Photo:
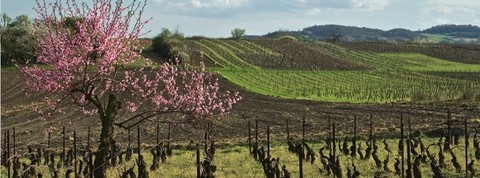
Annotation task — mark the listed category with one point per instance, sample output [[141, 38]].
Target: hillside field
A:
[[287, 68], [285, 80]]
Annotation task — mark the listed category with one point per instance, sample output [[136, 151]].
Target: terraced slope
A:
[[410, 61], [327, 72], [301, 56], [224, 55], [459, 53]]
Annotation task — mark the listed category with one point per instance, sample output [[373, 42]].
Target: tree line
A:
[[18, 43]]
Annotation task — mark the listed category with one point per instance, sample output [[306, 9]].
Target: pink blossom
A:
[[83, 65]]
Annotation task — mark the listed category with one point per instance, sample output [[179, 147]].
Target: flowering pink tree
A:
[[83, 49]]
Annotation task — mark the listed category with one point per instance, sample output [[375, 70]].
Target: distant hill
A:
[[460, 31], [349, 33], [462, 34]]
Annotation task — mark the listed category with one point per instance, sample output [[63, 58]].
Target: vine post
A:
[[8, 154], [256, 131], [401, 144], [198, 160], [75, 152], [249, 139], [300, 160], [158, 130], [268, 142], [465, 122], [63, 145], [14, 142], [288, 131]]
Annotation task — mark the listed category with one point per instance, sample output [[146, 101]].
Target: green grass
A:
[[139, 63]]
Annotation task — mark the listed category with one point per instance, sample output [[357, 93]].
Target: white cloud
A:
[[301, 1], [448, 7], [197, 3], [203, 3], [476, 21], [440, 21], [313, 11], [440, 12], [454, 2], [369, 4], [217, 17], [447, 10], [229, 3]]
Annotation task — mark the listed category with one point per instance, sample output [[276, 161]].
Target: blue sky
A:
[[216, 18]]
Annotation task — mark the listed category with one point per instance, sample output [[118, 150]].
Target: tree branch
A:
[[91, 99], [147, 115]]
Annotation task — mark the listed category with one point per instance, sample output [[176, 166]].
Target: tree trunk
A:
[[103, 148], [107, 117]]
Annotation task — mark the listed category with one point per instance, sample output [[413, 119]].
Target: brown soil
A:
[[231, 128]]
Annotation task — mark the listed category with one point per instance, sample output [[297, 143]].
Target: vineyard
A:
[[352, 149], [271, 133], [83, 95], [287, 68], [458, 53]]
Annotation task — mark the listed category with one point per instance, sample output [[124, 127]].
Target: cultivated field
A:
[[287, 68], [284, 79]]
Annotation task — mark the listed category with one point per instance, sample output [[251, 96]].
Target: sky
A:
[[216, 18]]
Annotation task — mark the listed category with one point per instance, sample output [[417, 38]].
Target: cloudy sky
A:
[[216, 18]]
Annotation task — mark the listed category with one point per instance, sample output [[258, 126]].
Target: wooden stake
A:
[[256, 131], [303, 130], [168, 137], [249, 139], [88, 138], [75, 153], [268, 142], [139, 149], [334, 144], [205, 139], [8, 154], [210, 130], [371, 131], [466, 145], [354, 151], [449, 128], [4, 144], [129, 140], [49, 138], [158, 129], [288, 131], [198, 160], [14, 143], [300, 161], [409, 163], [4, 140], [63, 145], [330, 132], [138, 142], [90, 163], [401, 140]]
